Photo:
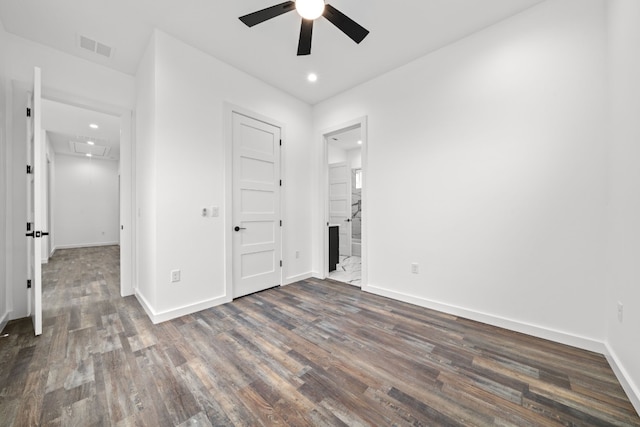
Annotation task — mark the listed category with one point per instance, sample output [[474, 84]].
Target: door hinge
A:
[[280, 183], [28, 283], [280, 223], [28, 112], [280, 143], [28, 169], [28, 226], [280, 263]]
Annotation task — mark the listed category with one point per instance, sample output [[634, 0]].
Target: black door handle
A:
[[348, 219], [32, 234], [45, 233], [239, 228]]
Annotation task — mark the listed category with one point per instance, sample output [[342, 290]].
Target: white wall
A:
[[623, 281], [145, 167], [182, 101], [354, 157], [487, 166], [48, 242], [335, 154], [4, 165], [86, 202], [63, 75]]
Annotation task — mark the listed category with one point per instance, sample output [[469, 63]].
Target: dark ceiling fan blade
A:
[[351, 28], [304, 44], [265, 14]]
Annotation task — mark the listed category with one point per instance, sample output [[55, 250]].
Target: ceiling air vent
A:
[[82, 148], [95, 46]]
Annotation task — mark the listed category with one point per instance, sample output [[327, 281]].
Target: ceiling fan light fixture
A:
[[310, 9]]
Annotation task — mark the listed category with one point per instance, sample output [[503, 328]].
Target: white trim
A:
[[85, 245], [163, 316], [297, 278], [502, 322], [4, 320], [630, 387]]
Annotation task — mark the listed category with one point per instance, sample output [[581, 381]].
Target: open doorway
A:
[[344, 203], [88, 188]]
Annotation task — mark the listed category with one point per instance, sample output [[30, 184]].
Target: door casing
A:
[[127, 176], [324, 194]]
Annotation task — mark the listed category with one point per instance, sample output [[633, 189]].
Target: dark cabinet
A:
[[334, 245]]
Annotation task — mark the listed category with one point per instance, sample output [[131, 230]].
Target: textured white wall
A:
[[188, 139], [145, 173], [5, 304], [86, 202], [624, 201], [487, 166]]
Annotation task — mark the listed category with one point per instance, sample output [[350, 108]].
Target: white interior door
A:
[[340, 204], [35, 223], [256, 206]]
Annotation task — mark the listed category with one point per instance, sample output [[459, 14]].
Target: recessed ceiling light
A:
[[91, 143], [93, 126], [359, 142], [312, 77], [89, 155]]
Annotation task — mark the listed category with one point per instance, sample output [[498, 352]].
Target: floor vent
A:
[[95, 46]]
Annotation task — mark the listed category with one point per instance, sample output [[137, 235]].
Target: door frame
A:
[[324, 192], [126, 171], [229, 109]]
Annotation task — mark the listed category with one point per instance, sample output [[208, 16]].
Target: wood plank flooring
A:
[[313, 353]]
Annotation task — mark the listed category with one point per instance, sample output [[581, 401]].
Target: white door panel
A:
[[256, 205], [35, 219]]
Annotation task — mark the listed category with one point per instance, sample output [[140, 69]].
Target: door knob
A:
[[348, 219], [236, 228]]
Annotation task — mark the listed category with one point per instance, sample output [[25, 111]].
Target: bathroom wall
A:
[[356, 207], [354, 158]]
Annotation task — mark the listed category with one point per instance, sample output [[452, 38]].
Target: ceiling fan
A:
[[309, 10]]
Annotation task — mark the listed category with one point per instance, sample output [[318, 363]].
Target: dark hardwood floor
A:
[[312, 353]]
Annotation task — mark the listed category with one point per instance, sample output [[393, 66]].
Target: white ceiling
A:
[[346, 140], [400, 32], [67, 124]]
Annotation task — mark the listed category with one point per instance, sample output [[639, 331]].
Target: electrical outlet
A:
[[620, 311], [414, 268], [175, 276]]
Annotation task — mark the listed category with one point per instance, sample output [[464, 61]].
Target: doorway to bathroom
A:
[[344, 204]]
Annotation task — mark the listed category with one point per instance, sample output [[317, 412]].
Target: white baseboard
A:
[[299, 277], [163, 316], [4, 320], [513, 325], [632, 389], [317, 275], [85, 245]]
